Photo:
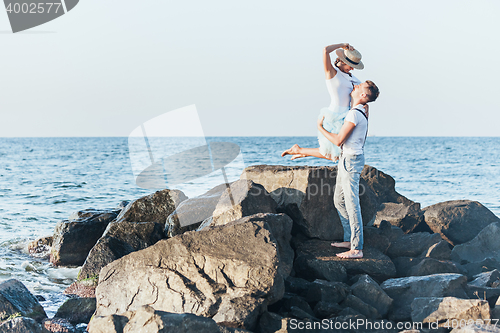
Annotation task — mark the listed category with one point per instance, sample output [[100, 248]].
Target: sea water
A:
[[44, 180]]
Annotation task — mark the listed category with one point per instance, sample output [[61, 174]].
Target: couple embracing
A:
[[342, 130]]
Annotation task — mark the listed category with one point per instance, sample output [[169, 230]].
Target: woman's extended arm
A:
[[337, 139], [327, 62]]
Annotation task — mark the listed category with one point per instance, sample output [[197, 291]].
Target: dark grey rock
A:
[[311, 267], [357, 304], [270, 322], [291, 300], [439, 251], [412, 245], [376, 238], [401, 215], [458, 221], [327, 291], [120, 239], [298, 313], [484, 245], [191, 212], [372, 294], [297, 285], [16, 300], [430, 266], [373, 263], [486, 265], [77, 310], [306, 195], [74, 238], [155, 207], [324, 309], [243, 198], [487, 279], [404, 290], [405, 264]]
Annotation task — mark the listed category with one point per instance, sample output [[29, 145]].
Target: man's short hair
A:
[[373, 91]]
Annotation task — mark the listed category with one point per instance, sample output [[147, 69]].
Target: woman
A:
[[339, 83]]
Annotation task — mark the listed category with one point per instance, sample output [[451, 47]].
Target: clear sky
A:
[[251, 67]]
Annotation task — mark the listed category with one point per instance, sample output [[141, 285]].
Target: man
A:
[[351, 138]]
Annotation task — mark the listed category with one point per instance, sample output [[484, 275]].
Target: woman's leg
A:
[[298, 152]]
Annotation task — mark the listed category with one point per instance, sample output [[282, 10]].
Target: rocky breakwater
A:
[[256, 257]]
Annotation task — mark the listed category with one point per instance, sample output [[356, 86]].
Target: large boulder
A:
[[458, 221], [16, 300], [306, 195], [281, 228], [191, 212], [319, 257], [147, 319], [195, 272], [446, 310], [155, 207], [242, 198], [484, 245], [404, 290], [401, 215], [73, 238], [120, 239], [429, 266], [412, 245]]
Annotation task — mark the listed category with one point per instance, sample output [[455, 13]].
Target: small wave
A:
[[55, 202], [69, 186]]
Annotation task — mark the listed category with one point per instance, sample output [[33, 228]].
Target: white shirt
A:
[[355, 142], [340, 87]]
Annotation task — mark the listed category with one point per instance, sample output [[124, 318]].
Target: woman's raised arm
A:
[[327, 62]]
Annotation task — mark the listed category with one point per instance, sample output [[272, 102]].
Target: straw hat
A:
[[351, 58]]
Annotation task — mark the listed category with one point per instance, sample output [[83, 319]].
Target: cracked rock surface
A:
[[194, 272]]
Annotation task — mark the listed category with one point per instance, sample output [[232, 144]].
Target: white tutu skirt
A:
[[332, 123]]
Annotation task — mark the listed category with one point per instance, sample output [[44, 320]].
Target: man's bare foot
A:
[[346, 245], [335, 158], [352, 254], [295, 150], [294, 157]]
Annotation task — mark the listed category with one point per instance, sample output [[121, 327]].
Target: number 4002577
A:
[[33, 8]]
